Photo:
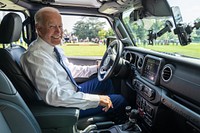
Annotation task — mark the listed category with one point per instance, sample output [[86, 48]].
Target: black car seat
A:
[[15, 116], [10, 31], [51, 119]]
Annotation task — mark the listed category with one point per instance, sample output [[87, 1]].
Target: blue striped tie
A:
[[60, 60]]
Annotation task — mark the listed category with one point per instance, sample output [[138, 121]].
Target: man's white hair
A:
[[39, 16]]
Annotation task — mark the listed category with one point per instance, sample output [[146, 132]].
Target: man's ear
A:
[[38, 28]]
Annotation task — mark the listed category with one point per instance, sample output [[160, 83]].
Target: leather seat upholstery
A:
[[10, 31], [15, 116]]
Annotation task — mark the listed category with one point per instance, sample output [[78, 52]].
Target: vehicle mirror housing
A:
[[136, 15]]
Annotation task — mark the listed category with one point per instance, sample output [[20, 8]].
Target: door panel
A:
[[78, 60]]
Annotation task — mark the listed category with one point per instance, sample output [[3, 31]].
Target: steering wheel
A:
[[110, 60]]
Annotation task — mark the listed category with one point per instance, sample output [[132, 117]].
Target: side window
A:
[[2, 14], [85, 36]]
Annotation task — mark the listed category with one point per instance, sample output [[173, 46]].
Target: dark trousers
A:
[[104, 88]]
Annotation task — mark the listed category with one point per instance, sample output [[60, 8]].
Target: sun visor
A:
[[81, 3], [151, 7], [118, 6], [157, 7]]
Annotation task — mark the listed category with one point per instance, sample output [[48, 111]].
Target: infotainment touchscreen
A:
[[151, 68]]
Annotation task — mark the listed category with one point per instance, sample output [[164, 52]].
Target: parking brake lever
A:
[[97, 126]]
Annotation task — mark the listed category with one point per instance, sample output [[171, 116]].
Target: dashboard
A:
[[165, 82]]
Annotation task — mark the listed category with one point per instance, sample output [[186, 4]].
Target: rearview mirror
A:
[[136, 15]]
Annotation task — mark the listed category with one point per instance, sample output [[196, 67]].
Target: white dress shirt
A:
[[54, 86]]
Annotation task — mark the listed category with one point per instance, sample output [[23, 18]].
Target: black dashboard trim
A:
[[180, 59], [187, 113]]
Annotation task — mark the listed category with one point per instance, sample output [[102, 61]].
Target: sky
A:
[[69, 21]]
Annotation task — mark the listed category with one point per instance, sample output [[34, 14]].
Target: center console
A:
[[148, 94], [130, 126], [53, 119]]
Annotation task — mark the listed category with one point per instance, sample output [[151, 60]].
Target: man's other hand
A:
[[105, 102]]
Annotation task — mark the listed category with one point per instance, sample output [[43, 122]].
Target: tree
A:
[[88, 28], [102, 34], [139, 31], [110, 32], [198, 30]]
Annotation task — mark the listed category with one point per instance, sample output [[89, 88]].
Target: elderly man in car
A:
[[52, 74]]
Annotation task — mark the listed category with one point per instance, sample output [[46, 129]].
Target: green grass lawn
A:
[[192, 50], [189, 50], [84, 50]]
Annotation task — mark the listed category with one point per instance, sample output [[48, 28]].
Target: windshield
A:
[[148, 32]]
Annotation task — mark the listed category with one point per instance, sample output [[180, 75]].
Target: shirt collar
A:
[[45, 46]]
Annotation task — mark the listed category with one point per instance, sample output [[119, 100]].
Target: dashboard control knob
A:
[[134, 82], [150, 93], [141, 87]]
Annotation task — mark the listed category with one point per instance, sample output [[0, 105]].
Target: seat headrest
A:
[[10, 28], [6, 86]]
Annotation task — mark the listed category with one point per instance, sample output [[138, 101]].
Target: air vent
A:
[[167, 72], [140, 63]]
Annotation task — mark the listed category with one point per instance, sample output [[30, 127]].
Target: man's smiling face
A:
[[51, 29]]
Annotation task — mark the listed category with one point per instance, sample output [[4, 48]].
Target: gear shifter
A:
[[133, 116], [132, 124]]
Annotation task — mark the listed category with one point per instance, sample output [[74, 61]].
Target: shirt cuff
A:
[[93, 69], [94, 100]]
